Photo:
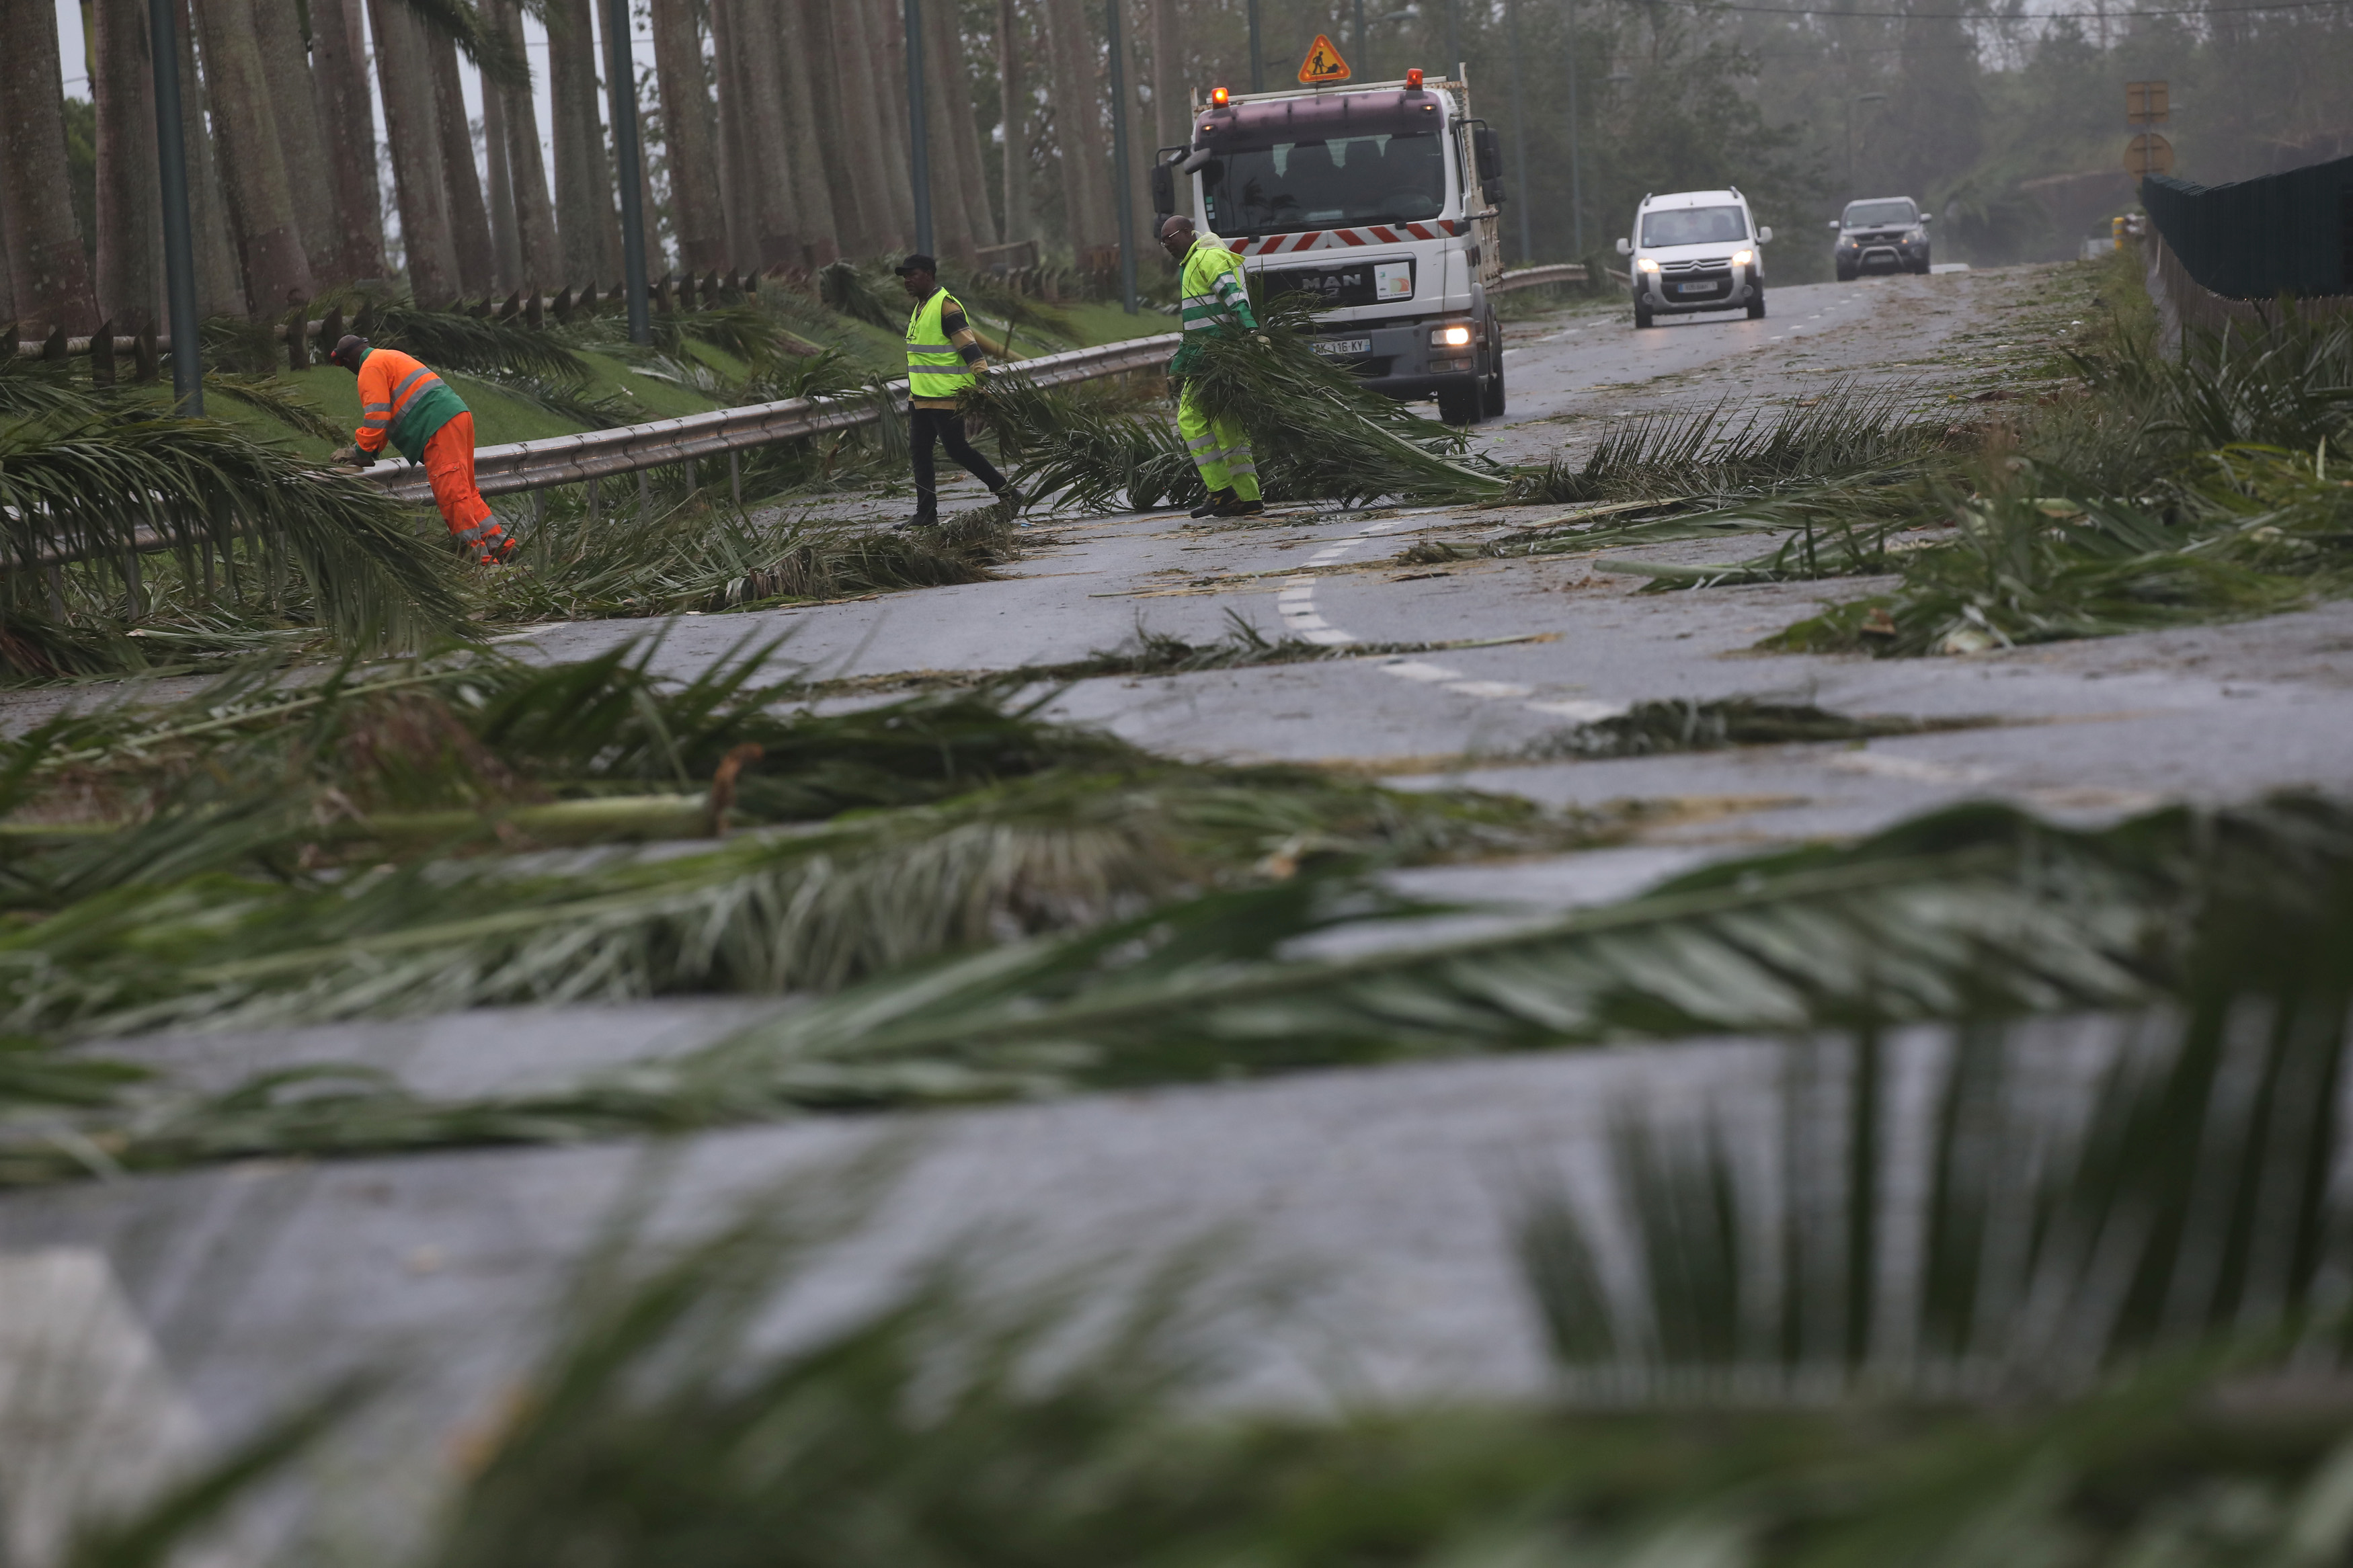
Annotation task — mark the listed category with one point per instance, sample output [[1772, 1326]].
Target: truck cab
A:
[[1380, 201]]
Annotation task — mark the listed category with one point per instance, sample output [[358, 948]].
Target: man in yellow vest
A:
[[1216, 300], [944, 359]]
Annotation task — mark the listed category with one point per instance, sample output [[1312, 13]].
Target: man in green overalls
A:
[[944, 359], [1217, 300]]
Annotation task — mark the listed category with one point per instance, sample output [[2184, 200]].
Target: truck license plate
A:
[[1344, 345]]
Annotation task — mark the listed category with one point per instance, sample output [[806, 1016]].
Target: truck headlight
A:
[[1742, 258], [1448, 337], [1647, 265]]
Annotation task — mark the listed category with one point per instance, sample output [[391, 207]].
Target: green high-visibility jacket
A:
[[935, 367], [1214, 295]]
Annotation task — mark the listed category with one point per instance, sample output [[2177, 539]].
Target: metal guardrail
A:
[[1538, 277], [631, 448]]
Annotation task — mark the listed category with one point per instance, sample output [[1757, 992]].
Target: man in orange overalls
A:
[[405, 403]]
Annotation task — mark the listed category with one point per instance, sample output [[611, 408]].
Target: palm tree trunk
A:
[[220, 283], [347, 124], [959, 197], [542, 256], [812, 199], [253, 163], [1079, 135], [870, 158], [1172, 90], [851, 161], [405, 74], [689, 135], [506, 240], [461, 182], [585, 214], [50, 271], [1013, 102], [769, 223], [885, 29], [130, 201], [738, 200], [293, 110]]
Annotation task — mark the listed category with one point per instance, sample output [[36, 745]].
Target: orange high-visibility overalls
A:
[[403, 403]]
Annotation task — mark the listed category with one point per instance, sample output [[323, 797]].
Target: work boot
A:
[[1234, 506], [1012, 500], [920, 520], [1210, 508]]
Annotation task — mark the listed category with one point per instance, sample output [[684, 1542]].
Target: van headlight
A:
[[1742, 258], [1452, 337], [1647, 265]]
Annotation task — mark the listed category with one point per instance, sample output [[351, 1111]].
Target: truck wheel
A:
[[1642, 314], [1491, 398], [1458, 405], [1757, 306]]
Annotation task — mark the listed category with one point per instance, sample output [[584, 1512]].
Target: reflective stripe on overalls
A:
[[935, 368]]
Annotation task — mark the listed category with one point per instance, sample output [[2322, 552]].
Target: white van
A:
[[1696, 250]]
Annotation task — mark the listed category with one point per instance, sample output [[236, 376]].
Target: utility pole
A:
[[1453, 42], [1519, 133], [621, 84], [179, 236], [1575, 163], [1122, 186], [918, 152], [1860, 98], [1257, 52], [1364, 61]]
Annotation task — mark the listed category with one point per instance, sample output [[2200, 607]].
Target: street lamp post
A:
[[1519, 133], [1258, 51], [919, 151], [1120, 179], [179, 239], [1575, 163], [621, 86], [1860, 98], [1454, 41]]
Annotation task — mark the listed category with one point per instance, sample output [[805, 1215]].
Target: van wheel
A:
[[1641, 315], [1491, 397], [1458, 405], [1757, 306]]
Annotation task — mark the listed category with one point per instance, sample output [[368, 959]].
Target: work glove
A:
[[1264, 341], [352, 458]]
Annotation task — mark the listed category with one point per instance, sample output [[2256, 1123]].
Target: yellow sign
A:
[[2148, 154], [1322, 64], [2148, 102]]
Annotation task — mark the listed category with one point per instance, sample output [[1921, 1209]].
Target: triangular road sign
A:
[[1322, 64]]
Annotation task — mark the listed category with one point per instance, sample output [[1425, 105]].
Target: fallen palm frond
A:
[[454, 340], [278, 398], [1968, 913], [863, 293], [1316, 432], [1686, 724], [85, 472]]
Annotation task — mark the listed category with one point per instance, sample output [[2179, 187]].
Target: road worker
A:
[[944, 361], [405, 403], [1216, 300]]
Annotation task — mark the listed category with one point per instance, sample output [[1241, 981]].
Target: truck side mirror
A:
[[1764, 235], [1164, 190], [1487, 148], [1625, 247], [1493, 191]]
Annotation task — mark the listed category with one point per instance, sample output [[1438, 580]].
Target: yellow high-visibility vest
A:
[[935, 368]]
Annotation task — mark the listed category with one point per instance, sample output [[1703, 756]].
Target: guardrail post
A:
[[592, 501], [735, 476], [645, 491]]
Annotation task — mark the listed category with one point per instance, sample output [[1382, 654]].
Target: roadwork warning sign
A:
[[1322, 64]]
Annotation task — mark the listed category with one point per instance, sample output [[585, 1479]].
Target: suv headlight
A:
[[1451, 337], [1647, 265]]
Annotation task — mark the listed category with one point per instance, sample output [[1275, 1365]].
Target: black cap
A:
[[917, 263], [348, 351]]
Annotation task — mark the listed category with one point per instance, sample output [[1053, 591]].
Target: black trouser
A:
[[945, 426]]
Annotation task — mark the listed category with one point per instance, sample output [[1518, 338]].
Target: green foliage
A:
[[1686, 724], [85, 471]]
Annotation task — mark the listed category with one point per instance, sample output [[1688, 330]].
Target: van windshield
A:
[[1879, 215], [1694, 226], [1336, 183]]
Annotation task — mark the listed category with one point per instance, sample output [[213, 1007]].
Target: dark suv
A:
[[1886, 233]]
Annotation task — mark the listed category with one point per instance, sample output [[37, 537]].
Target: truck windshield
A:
[[1336, 183], [1879, 215], [1694, 226]]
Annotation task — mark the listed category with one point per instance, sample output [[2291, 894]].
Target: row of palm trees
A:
[[787, 143]]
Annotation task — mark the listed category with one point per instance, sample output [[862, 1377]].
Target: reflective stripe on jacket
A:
[[935, 366], [402, 402], [1214, 295]]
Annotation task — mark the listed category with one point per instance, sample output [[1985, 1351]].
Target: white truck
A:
[[1381, 200]]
